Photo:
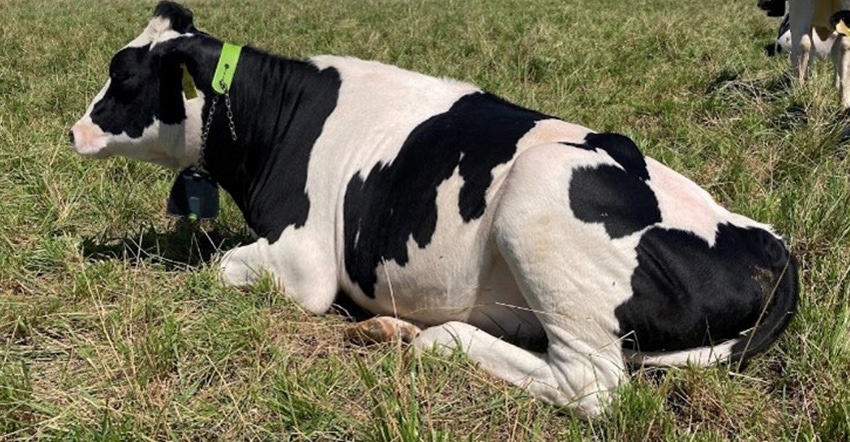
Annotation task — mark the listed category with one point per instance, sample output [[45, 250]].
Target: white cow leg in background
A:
[[801, 14], [841, 60]]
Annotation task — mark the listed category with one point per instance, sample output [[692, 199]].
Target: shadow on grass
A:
[[728, 81], [186, 245]]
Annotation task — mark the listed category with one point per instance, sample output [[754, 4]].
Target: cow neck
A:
[[220, 84], [279, 107]]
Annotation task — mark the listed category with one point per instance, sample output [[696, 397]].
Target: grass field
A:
[[113, 325]]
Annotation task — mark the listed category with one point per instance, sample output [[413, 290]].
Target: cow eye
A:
[[119, 76]]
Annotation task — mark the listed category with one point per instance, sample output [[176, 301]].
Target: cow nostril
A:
[[71, 136]]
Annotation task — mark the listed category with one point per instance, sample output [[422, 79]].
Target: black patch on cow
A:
[[622, 149], [621, 201], [687, 294], [617, 197], [840, 16], [129, 104], [397, 201], [619, 147], [279, 107]]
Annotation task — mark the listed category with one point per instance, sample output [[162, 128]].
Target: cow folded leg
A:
[[305, 279], [563, 376], [243, 265]]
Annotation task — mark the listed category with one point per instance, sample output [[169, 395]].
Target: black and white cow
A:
[[821, 48], [823, 20], [444, 206]]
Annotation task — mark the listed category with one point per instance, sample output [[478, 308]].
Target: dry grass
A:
[[113, 325]]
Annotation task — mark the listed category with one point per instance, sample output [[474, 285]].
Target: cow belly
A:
[[458, 276], [485, 296]]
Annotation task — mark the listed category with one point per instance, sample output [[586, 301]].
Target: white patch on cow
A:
[[387, 100], [190, 153], [683, 204], [157, 31], [686, 206], [553, 131]]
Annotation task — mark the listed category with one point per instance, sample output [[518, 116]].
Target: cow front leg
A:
[[581, 379], [298, 265], [841, 61], [800, 24], [243, 265]]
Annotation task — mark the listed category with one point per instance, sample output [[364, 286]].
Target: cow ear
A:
[[179, 15], [840, 22], [172, 72]]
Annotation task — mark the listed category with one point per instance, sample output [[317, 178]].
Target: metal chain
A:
[[229, 114], [205, 133]]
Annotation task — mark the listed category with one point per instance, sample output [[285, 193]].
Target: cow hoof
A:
[[381, 329]]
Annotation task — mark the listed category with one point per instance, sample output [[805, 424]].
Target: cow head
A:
[[143, 112]]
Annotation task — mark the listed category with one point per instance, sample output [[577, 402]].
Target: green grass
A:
[[113, 325]]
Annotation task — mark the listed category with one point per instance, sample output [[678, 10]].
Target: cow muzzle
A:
[[87, 138]]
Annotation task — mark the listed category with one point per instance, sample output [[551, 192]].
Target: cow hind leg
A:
[[572, 296], [560, 376]]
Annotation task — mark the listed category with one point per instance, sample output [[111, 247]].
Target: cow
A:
[[782, 44], [463, 221], [824, 19]]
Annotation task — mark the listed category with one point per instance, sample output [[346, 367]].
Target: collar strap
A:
[[226, 67]]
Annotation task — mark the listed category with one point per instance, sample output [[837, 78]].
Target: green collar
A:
[[223, 77]]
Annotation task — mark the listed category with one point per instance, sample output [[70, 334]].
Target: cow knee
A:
[[242, 266], [592, 377]]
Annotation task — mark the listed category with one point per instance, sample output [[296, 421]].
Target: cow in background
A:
[[810, 19]]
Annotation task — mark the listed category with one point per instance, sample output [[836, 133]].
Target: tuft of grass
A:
[[115, 326]]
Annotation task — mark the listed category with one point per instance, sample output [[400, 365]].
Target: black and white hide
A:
[[782, 45], [446, 207]]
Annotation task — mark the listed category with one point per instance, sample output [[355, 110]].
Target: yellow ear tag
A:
[[841, 28], [188, 84]]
